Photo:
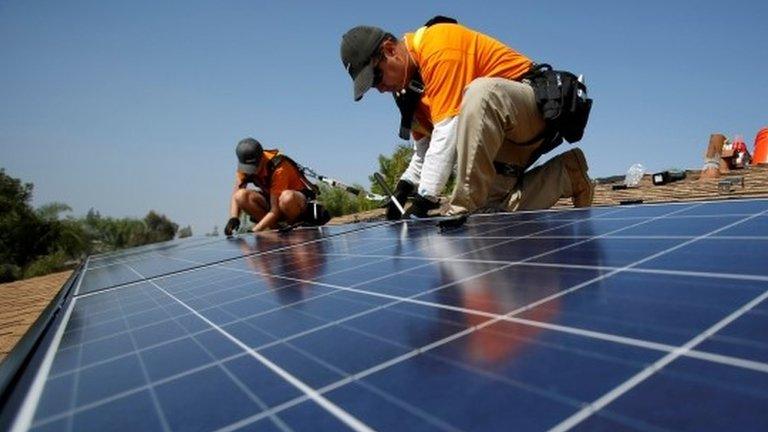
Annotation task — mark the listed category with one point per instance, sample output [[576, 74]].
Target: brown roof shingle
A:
[[689, 189], [21, 302]]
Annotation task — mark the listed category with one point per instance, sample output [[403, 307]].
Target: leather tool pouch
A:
[[562, 99]]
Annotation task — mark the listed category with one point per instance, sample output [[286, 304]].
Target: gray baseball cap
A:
[[358, 45], [249, 153]]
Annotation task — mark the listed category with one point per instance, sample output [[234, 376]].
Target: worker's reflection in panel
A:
[[497, 292], [287, 272]]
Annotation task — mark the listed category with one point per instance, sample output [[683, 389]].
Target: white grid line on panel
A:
[[598, 404], [326, 404], [635, 380]]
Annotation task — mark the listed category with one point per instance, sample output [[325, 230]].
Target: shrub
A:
[[340, 202], [46, 264]]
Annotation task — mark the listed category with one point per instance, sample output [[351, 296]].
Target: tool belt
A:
[[562, 100], [508, 170]]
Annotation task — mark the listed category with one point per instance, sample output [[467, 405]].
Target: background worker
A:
[[461, 98], [283, 193]]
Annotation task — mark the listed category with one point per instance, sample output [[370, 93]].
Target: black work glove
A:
[[233, 224], [422, 205], [402, 190]]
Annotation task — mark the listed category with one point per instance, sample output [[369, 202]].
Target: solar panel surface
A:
[[639, 318]]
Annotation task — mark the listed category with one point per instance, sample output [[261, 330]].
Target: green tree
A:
[[185, 232], [158, 228], [23, 235], [36, 242], [52, 211], [116, 233], [71, 236], [120, 233], [392, 167], [46, 264], [339, 202]]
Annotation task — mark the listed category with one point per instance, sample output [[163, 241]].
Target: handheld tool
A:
[[380, 180]]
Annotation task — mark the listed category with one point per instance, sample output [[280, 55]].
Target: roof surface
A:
[[689, 189], [21, 302]]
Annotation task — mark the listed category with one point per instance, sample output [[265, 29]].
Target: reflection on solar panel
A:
[[641, 318]]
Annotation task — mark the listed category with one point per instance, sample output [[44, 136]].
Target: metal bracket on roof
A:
[[729, 184]]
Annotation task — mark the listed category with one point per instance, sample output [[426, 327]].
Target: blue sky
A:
[[132, 106]]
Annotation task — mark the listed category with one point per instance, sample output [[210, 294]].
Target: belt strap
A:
[[508, 170]]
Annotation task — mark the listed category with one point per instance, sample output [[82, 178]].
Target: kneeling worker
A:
[[283, 193], [466, 97]]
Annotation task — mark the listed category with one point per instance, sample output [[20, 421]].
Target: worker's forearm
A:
[[267, 222], [234, 209], [412, 174], [438, 160]]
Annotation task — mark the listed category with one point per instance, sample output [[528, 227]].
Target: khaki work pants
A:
[[497, 113]]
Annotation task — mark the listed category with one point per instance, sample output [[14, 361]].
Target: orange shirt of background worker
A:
[[284, 177]]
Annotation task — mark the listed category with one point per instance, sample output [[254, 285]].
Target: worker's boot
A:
[[581, 185]]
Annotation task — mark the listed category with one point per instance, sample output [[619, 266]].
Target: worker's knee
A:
[[291, 203], [247, 198], [286, 198], [241, 196]]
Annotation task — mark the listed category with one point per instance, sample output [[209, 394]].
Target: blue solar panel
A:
[[641, 318], [133, 265]]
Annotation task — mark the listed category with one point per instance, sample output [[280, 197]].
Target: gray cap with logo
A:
[[358, 46]]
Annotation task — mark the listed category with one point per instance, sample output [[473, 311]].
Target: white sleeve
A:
[[412, 174], [438, 160]]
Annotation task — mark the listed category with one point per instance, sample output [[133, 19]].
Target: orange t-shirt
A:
[[285, 177], [450, 56]]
